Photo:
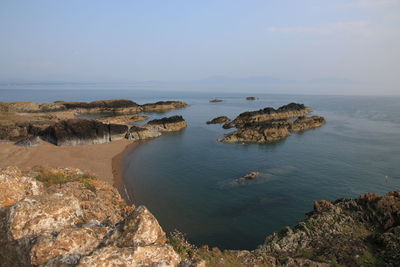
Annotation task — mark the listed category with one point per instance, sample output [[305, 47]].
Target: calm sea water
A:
[[185, 178]]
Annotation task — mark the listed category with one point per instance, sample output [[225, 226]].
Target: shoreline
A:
[[102, 160]]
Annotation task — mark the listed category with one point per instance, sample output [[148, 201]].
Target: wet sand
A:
[[101, 160]]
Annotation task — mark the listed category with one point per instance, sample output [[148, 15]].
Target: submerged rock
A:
[[220, 119], [248, 177], [251, 98], [215, 100], [167, 124]]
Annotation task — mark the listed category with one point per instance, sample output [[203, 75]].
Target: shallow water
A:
[[185, 178]]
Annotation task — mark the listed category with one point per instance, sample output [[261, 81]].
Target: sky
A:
[[308, 46]]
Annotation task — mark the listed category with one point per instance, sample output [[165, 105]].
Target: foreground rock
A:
[[68, 218], [271, 131], [349, 232], [84, 132], [167, 124], [220, 119], [284, 112]]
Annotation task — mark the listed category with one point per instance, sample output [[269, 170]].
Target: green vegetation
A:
[[57, 177]]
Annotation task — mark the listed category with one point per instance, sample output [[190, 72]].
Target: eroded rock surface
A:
[[271, 131], [84, 132], [70, 219], [141, 133], [167, 124], [284, 112], [163, 106], [220, 119]]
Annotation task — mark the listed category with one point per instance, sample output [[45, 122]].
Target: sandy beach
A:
[[101, 160]]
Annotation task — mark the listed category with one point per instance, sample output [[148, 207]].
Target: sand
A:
[[101, 160]]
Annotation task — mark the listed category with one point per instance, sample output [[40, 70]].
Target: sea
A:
[[186, 179]]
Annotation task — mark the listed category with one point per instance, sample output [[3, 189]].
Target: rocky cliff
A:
[[63, 217]]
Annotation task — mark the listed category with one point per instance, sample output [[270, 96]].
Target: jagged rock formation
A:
[[220, 119], [284, 112], [349, 232], [216, 100], [271, 131], [167, 124], [75, 220], [251, 98], [163, 106], [141, 133], [84, 132]]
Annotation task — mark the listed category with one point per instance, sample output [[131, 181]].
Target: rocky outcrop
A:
[[74, 219], [216, 100], [305, 123], [163, 106], [217, 120], [113, 106], [265, 132], [271, 131], [84, 132], [251, 98], [141, 133], [167, 124], [348, 232], [284, 112], [122, 119]]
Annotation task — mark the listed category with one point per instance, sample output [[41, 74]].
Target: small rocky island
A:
[[216, 100], [251, 98], [271, 125]]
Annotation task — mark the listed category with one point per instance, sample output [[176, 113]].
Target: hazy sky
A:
[[353, 41]]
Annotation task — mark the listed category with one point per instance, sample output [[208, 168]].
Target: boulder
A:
[[140, 133]]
